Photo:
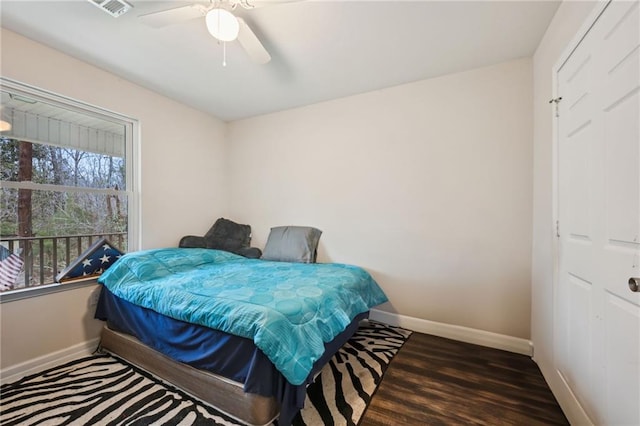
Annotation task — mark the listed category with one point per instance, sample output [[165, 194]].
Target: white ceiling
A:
[[320, 50]]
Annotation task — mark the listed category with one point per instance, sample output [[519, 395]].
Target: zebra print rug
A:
[[105, 390]]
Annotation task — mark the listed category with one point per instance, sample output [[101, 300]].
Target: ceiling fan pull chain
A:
[[224, 53]]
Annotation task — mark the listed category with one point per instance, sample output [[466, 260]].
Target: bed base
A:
[[223, 394]]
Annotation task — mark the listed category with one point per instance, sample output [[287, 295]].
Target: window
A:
[[67, 178]]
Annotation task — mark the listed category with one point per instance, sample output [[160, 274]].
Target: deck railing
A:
[[44, 257]]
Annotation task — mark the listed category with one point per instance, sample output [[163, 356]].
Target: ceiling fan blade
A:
[[251, 44], [173, 16]]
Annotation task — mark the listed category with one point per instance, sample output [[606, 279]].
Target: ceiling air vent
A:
[[114, 8]]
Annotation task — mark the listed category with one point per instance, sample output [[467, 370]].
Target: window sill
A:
[[42, 290]]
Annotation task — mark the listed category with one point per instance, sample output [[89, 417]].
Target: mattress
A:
[[289, 310]]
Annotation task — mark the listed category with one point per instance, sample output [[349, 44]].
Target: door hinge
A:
[[556, 101], [557, 228]]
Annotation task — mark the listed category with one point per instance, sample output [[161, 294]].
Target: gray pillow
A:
[[292, 244]]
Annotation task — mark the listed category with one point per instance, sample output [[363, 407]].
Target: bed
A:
[[244, 335]]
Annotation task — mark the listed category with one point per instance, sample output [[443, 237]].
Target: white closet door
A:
[[597, 315]]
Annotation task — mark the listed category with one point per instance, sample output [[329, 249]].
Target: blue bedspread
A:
[[289, 310]]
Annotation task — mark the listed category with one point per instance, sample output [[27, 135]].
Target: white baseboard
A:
[[32, 366], [456, 332], [568, 401]]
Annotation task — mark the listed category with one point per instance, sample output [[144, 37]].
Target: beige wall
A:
[[561, 31], [427, 185], [179, 145], [35, 327]]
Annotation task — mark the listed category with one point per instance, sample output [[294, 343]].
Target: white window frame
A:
[[132, 166]]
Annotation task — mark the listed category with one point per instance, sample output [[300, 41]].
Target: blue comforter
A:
[[289, 310]]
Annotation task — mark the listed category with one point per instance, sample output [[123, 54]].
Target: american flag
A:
[[93, 262], [10, 267]]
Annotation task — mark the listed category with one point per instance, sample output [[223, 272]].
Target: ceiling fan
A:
[[221, 24]]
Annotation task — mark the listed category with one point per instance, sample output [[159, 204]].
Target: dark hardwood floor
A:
[[437, 381]]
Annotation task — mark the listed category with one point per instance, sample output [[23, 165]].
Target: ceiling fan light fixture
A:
[[222, 24]]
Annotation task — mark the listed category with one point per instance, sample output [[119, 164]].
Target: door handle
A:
[[634, 284]]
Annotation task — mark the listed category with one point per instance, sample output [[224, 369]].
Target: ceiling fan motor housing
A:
[[222, 24]]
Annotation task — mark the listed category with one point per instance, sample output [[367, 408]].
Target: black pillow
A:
[[228, 235]]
